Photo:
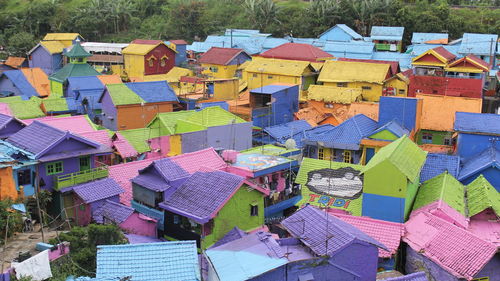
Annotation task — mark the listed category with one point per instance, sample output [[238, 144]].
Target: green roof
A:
[[481, 195], [269, 149], [310, 164], [445, 188], [214, 116], [138, 138], [55, 105], [404, 154], [122, 95], [77, 51], [73, 70], [11, 99], [167, 122], [26, 109]]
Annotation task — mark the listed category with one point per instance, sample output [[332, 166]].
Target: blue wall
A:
[[383, 207], [403, 110], [181, 55], [285, 102], [470, 144]]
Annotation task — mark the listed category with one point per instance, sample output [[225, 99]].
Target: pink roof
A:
[[220, 56], [125, 149], [296, 51], [5, 109], [101, 137], [75, 124], [444, 211], [178, 42], [488, 230], [388, 233], [456, 250], [193, 161], [123, 173]]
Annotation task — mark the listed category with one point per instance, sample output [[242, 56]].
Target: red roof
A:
[[178, 42], [394, 64], [220, 56], [146, 42], [444, 53], [296, 51], [481, 63], [190, 79]]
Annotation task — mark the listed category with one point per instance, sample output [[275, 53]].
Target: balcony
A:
[[71, 179]]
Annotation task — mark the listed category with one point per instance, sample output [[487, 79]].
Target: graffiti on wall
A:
[[343, 182]]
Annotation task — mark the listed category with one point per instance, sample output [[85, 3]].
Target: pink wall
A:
[[82, 210], [140, 225], [62, 249]]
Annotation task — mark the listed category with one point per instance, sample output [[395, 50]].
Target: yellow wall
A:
[[175, 145], [398, 85], [134, 65], [372, 94], [7, 184], [223, 71], [117, 69], [226, 90], [257, 80]]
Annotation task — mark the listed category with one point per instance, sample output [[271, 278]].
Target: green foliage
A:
[[15, 221], [83, 245], [20, 43]]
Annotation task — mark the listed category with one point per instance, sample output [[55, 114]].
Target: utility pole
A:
[[37, 188], [231, 32]]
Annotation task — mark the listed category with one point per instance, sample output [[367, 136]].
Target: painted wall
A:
[[44, 60], [416, 262], [371, 92], [226, 89], [28, 189], [400, 87], [234, 136], [383, 207], [448, 86], [134, 116], [491, 270], [219, 71], [11, 128], [7, 184], [192, 141], [405, 111], [158, 52], [358, 257], [236, 212], [471, 144], [257, 80], [181, 55], [140, 225], [70, 165], [7, 86], [56, 89], [83, 211], [438, 137], [134, 65], [109, 112]]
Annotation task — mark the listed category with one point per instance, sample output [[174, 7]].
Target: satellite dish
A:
[[290, 144]]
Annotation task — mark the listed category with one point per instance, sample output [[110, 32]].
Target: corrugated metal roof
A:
[[123, 95], [72, 70], [422, 38], [416, 50], [38, 79], [478, 44], [346, 29], [346, 71], [391, 33], [477, 123], [94, 47], [220, 56], [348, 49], [53, 47], [334, 94], [279, 67], [403, 59], [393, 127], [138, 49], [283, 132]]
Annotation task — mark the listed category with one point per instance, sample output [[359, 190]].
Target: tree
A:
[[15, 222], [261, 13], [20, 43]]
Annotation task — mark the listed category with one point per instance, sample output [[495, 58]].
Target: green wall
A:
[[411, 193], [437, 136], [384, 135], [236, 212], [56, 89], [385, 179]]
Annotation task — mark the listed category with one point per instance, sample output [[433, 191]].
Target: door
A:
[[369, 154], [84, 163]]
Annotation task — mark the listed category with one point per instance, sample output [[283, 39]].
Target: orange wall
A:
[[7, 184], [135, 116]]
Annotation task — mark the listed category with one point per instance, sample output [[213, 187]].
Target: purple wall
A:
[[47, 62], [235, 136], [416, 262], [492, 269], [70, 165], [7, 86], [10, 129], [359, 257], [109, 111], [194, 141]]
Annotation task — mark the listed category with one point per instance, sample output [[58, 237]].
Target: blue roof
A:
[[436, 164], [392, 33], [353, 49], [222, 104], [85, 83], [421, 38], [311, 41], [92, 96], [271, 42], [173, 261], [251, 44], [478, 44], [393, 127], [271, 89], [311, 133], [346, 29], [19, 80], [282, 132], [347, 135], [477, 123], [403, 59], [112, 211], [154, 91], [417, 50], [241, 32], [490, 157]]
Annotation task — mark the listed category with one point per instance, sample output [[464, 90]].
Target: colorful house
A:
[[181, 47], [261, 72], [327, 96], [486, 163], [86, 91], [476, 132], [342, 143], [232, 204], [148, 57], [222, 62], [123, 103], [174, 260], [405, 111], [77, 66], [358, 49], [9, 125], [279, 134], [387, 233], [16, 173], [353, 255], [391, 180], [387, 38], [47, 55], [123, 173], [340, 32], [297, 52], [26, 82], [106, 57], [274, 104], [447, 252], [381, 137], [480, 45], [345, 74], [436, 164], [58, 106]]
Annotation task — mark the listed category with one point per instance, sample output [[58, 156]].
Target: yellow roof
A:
[[280, 67], [38, 79], [317, 65], [333, 94], [54, 47], [138, 49], [349, 71], [439, 111], [60, 36], [399, 76], [176, 73]]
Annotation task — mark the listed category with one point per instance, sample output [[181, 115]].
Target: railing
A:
[[382, 47], [150, 212], [71, 179]]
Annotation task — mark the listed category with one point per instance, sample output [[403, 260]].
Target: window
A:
[[254, 75], [24, 177], [447, 141], [214, 69], [177, 219], [366, 88], [426, 138], [321, 153], [254, 210], [328, 105], [347, 156], [402, 92], [54, 168], [269, 77], [208, 227], [342, 84], [163, 62], [80, 59], [151, 63]]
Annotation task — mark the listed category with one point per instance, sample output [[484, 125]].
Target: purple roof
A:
[[202, 195], [169, 170], [151, 180], [231, 235], [417, 276], [160, 174], [112, 211], [98, 190], [309, 225]]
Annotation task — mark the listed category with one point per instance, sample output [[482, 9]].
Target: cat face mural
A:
[[343, 182]]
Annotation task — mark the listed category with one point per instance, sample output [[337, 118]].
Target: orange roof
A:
[[312, 115], [243, 99], [443, 41], [438, 112], [14, 62], [38, 79], [369, 109], [435, 148], [110, 79]]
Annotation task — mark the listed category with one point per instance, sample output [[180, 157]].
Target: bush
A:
[[14, 219]]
